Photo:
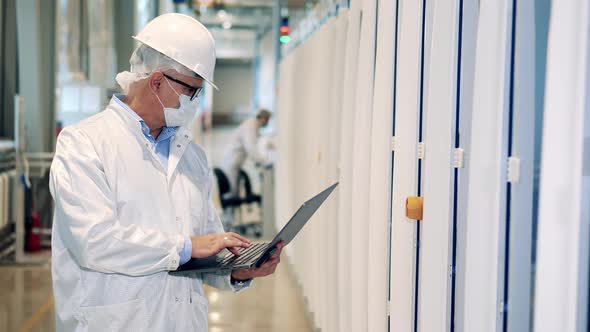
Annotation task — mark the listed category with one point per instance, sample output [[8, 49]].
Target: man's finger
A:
[[277, 253], [233, 242], [234, 251], [239, 237], [275, 259], [270, 262], [279, 248]]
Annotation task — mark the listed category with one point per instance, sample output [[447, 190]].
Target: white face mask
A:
[[184, 114]]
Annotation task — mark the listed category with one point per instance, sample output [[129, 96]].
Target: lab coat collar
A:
[[178, 143], [132, 119]]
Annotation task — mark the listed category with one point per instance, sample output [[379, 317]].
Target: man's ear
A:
[[155, 81]]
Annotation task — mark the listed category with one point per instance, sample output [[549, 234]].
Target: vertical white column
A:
[[405, 165], [468, 46], [487, 179], [561, 286], [519, 286], [436, 227], [284, 166], [306, 165], [381, 169], [331, 221], [361, 166], [335, 146], [345, 187]]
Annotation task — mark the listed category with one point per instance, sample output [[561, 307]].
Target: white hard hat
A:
[[184, 40]]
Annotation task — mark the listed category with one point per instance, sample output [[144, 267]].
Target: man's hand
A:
[[211, 244], [267, 268]]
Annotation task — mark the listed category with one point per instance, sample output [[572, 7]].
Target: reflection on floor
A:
[[26, 300], [272, 304]]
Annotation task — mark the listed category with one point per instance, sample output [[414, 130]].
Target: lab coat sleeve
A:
[[250, 139], [220, 280], [86, 217]]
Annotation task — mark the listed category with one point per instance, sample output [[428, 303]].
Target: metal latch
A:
[[513, 170], [421, 150], [458, 158]]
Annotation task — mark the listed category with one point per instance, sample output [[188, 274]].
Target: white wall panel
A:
[[331, 220], [305, 141], [381, 169], [405, 164], [320, 50], [284, 167], [561, 287], [519, 288], [310, 99], [487, 183], [346, 139], [468, 46], [335, 117], [436, 228], [361, 167]]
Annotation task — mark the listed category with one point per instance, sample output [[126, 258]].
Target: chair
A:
[[229, 203], [250, 197], [223, 185]]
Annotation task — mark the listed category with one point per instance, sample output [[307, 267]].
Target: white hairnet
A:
[[144, 61]]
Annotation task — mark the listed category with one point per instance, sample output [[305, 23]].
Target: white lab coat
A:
[[120, 221], [242, 144]]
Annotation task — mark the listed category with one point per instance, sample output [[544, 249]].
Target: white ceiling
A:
[[235, 23]]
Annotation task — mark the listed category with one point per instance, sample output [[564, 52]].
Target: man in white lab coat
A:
[[243, 144], [133, 197]]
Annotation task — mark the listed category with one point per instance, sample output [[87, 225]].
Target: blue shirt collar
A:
[[166, 132]]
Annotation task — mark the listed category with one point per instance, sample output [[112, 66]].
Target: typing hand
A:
[[211, 244], [267, 268]]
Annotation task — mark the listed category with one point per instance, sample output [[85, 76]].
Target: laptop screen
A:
[[301, 217]]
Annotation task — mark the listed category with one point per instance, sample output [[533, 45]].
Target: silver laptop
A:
[[258, 253]]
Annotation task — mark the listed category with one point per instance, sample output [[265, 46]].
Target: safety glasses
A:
[[193, 91]]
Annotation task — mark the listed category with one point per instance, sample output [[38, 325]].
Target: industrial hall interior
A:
[[295, 165]]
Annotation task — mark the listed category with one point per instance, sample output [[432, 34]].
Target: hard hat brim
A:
[[170, 56]]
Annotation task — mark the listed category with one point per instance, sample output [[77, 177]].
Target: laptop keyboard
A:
[[246, 254]]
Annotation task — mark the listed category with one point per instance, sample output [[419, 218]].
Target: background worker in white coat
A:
[[243, 144], [133, 197]]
